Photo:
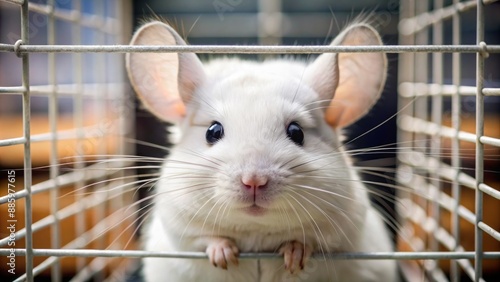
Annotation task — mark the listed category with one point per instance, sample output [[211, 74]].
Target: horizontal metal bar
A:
[[429, 192], [106, 25], [490, 230], [491, 91], [237, 49], [417, 125], [417, 89], [12, 89], [84, 239], [489, 190], [202, 255], [490, 141], [419, 217], [411, 89], [91, 131], [18, 2], [85, 89], [95, 266], [467, 267], [435, 273], [103, 226], [430, 164], [467, 214], [446, 201], [91, 172], [121, 271], [12, 141], [112, 90], [415, 24], [37, 270], [88, 202]]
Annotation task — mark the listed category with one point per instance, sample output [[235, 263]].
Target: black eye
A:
[[295, 133], [214, 133]]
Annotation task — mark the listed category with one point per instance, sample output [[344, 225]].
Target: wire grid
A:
[[412, 127], [423, 169], [95, 185]]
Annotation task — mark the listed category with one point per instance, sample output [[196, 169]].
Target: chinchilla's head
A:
[[259, 140]]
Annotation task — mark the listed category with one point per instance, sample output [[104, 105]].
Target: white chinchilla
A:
[[259, 166]]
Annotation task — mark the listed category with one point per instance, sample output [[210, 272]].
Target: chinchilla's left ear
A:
[[353, 81]]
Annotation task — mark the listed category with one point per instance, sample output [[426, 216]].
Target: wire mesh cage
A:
[[448, 134], [67, 133], [63, 116]]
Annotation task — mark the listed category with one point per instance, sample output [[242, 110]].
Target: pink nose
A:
[[254, 182]]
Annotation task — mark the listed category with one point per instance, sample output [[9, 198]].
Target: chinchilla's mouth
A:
[[255, 210]]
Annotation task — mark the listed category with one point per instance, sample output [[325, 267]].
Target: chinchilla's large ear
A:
[[353, 80], [164, 82]]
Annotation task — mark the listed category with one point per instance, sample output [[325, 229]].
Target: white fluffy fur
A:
[[313, 194]]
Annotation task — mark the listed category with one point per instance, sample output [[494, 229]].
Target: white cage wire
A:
[[432, 153], [75, 114], [97, 37]]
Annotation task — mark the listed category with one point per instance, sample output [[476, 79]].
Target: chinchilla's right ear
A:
[[164, 82]]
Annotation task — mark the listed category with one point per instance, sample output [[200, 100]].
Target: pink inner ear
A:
[[362, 76], [168, 108], [154, 77], [165, 105], [163, 81], [334, 112], [345, 110], [358, 89]]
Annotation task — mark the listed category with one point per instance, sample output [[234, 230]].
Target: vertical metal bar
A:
[[479, 147], [405, 74], [404, 137], [27, 145], [78, 123], [420, 109], [435, 144], [420, 75], [100, 105], [455, 143], [125, 114], [117, 116], [436, 117], [117, 201], [270, 22], [121, 116], [54, 166]]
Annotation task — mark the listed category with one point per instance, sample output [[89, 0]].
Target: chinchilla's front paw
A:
[[221, 251], [296, 255]]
